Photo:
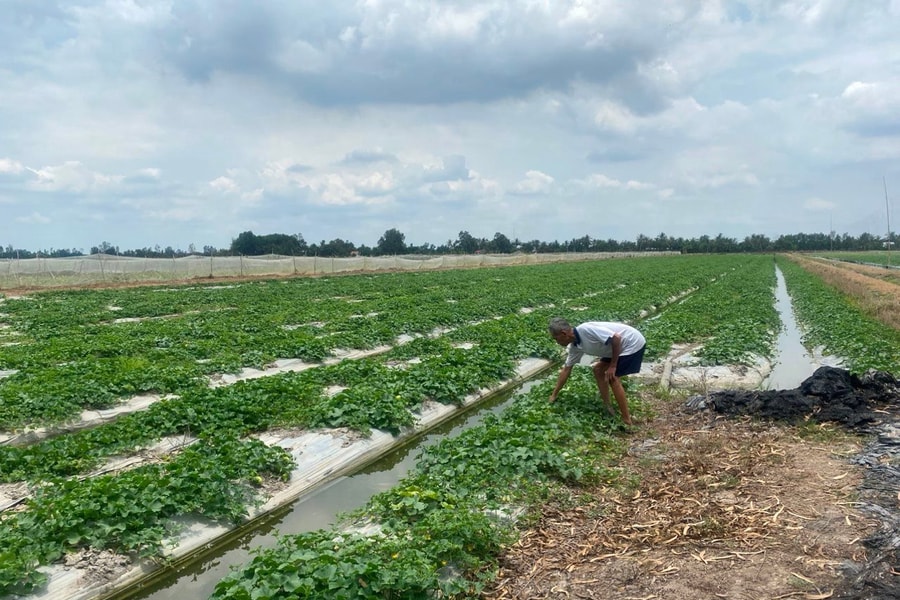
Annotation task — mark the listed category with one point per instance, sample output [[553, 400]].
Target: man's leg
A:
[[619, 392], [599, 369]]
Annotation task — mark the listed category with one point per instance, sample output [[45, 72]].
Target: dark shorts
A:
[[628, 365]]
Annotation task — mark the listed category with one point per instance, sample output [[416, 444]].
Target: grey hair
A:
[[558, 325]]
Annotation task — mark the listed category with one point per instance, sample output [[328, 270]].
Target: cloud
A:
[[225, 185], [534, 183], [153, 122], [423, 51], [600, 181], [873, 108], [450, 168], [365, 157], [376, 184], [144, 177], [72, 176], [8, 166], [33, 218], [819, 205]]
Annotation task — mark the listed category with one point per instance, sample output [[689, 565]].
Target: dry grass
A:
[[875, 291], [722, 509]]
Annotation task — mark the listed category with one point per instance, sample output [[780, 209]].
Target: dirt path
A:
[[706, 507], [875, 290]]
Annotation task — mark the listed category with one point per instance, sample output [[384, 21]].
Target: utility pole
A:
[[887, 211]]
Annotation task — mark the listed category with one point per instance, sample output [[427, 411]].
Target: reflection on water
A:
[[793, 362], [316, 510]]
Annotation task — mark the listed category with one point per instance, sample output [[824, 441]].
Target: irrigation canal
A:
[[793, 362], [317, 510]]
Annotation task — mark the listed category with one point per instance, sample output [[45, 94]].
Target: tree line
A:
[[393, 242]]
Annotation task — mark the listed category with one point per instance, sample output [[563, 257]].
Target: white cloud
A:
[[33, 218], [341, 190], [376, 184], [599, 180], [615, 117], [72, 176], [535, 182], [873, 108], [11, 166], [225, 185], [180, 123], [819, 205]]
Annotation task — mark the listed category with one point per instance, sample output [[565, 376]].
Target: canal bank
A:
[[322, 458]]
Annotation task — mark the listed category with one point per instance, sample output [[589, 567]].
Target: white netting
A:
[[104, 268]]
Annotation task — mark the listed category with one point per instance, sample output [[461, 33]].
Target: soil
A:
[[713, 503], [100, 565]]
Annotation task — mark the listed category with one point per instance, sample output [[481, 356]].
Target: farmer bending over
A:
[[619, 348]]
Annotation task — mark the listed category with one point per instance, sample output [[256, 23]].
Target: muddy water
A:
[[793, 362], [316, 510]]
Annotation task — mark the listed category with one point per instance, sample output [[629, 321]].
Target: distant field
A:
[[877, 257]]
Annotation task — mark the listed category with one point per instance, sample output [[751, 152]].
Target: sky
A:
[[144, 123]]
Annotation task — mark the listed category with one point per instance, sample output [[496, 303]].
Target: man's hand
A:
[[611, 373]]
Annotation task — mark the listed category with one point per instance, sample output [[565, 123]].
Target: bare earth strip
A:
[[717, 508], [875, 290]]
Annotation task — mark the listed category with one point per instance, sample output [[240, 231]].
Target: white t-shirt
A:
[[595, 337]]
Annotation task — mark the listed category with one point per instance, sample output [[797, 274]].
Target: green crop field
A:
[[882, 258], [431, 336]]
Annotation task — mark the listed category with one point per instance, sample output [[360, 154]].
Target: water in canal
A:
[[793, 362]]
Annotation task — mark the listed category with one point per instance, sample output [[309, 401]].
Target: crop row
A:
[[380, 392], [439, 532], [133, 512], [376, 395], [831, 320], [91, 349], [734, 319]]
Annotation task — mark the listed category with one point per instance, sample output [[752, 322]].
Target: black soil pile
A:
[[867, 404], [829, 395]]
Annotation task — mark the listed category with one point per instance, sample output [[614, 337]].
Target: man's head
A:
[[561, 331]]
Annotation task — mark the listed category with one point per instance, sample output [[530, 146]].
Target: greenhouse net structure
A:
[[110, 269]]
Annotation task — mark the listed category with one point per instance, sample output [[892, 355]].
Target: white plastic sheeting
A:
[[321, 456], [105, 268]]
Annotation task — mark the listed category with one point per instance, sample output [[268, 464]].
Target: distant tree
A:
[[104, 248], [423, 249], [62, 253], [530, 246], [500, 244], [249, 244], [302, 246], [703, 244], [756, 243], [245, 243], [724, 244], [392, 242], [867, 241], [465, 243], [643, 243], [662, 242], [612, 245], [337, 248]]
